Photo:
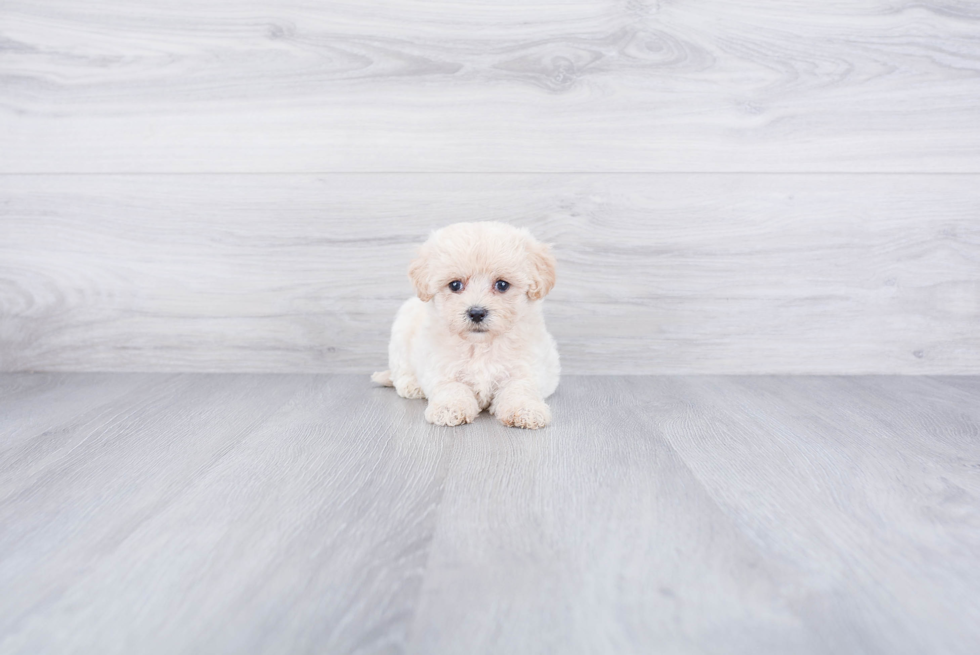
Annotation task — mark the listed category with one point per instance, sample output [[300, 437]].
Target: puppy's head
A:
[[481, 276]]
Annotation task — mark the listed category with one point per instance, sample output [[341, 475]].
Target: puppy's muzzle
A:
[[477, 314]]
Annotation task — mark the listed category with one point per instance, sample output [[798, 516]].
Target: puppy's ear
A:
[[418, 273], [543, 265]]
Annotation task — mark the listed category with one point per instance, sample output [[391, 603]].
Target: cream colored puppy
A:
[[475, 338]]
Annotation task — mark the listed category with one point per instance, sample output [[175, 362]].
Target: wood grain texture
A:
[[178, 495], [657, 273], [595, 85], [595, 539], [291, 513], [895, 460]]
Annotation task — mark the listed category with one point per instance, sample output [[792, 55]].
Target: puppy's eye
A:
[[501, 286], [455, 286]]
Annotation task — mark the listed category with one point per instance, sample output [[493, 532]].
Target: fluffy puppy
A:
[[475, 337]]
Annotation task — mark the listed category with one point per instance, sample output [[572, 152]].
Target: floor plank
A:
[[594, 537], [297, 513], [137, 524], [851, 483], [586, 85], [36, 404]]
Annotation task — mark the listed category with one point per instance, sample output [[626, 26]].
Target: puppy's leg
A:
[[451, 404], [519, 405], [403, 332], [408, 387]]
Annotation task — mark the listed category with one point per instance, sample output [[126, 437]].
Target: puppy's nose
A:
[[477, 314]]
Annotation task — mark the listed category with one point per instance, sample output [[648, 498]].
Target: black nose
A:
[[477, 314]]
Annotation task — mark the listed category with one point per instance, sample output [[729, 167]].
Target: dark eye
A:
[[501, 286], [455, 286]]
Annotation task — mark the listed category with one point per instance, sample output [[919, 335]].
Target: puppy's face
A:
[[481, 276]]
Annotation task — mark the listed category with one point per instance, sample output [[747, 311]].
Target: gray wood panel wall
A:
[[730, 186]]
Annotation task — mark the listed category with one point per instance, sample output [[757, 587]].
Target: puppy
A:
[[475, 337]]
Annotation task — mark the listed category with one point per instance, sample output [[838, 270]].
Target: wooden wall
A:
[[747, 186]]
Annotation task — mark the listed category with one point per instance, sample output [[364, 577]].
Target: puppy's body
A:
[[423, 353], [477, 347]]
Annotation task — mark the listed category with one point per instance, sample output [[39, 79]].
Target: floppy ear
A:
[[542, 270], [418, 273]]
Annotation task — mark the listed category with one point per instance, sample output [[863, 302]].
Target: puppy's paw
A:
[[530, 414], [408, 387], [452, 412]]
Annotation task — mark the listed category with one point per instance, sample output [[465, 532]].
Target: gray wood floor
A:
[[158, 513]]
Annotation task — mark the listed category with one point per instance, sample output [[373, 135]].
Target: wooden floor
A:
[[155, 513]]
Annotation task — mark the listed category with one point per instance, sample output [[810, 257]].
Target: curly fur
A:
[[508, 362]]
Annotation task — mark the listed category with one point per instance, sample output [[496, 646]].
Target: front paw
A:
[[408, 387], [452, 412], [531, 414]]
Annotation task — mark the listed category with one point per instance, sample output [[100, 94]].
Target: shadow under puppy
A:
[[475, 337]]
